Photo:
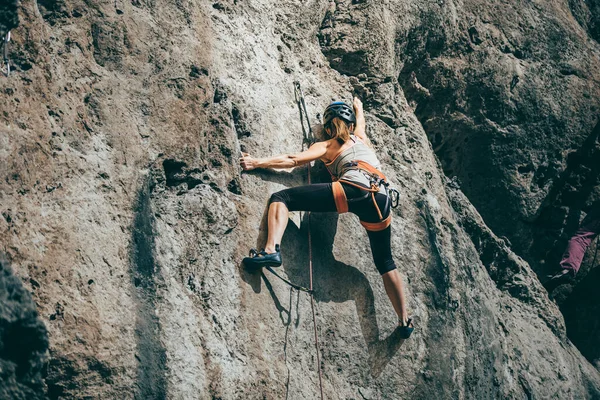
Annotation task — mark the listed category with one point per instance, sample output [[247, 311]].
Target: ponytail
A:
[[339, 130]]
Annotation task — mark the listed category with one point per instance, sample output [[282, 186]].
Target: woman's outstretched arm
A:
[[315, 152], [361, 126]]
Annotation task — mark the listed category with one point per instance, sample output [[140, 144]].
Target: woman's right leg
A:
[[392, 281], [317, 197]]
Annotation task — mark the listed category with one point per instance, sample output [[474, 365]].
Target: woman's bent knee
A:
[[385, 266], [279, 197]]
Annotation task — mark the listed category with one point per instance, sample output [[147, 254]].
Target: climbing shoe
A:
[[406, 330], [559, 278], [262, 259]]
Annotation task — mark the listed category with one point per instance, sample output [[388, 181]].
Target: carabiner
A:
[[395, 197]]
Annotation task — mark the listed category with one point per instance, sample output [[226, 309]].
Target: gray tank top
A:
[[358, 151]]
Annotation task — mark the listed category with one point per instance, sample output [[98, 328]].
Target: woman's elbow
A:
[[293, 160]]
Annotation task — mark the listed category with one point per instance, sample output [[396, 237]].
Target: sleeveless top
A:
[[358, 151]]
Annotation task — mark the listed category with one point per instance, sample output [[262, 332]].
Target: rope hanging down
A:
[[307, 141], [297, 287]]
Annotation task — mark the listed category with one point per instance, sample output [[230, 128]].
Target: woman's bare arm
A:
[[361, 126], [315, 152]]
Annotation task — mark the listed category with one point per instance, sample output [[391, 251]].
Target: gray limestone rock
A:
[[122, 198]]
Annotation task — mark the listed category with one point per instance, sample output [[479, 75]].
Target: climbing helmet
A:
[[341, 110]]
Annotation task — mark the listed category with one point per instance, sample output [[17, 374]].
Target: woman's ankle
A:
[[272, 249]]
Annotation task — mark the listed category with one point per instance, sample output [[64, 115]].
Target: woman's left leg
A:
[[317, 197]]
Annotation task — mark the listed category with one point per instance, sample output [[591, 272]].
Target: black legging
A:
[[319, 198]]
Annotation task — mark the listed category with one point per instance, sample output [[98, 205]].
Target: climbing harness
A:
[[5, 67], [376, 179]]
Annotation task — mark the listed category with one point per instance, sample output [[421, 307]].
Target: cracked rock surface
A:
[[122, 199]]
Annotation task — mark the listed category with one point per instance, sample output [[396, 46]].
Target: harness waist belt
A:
[[377, 226], [364, 166], [341, 201]]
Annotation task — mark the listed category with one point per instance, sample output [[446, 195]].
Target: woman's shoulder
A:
[[356, 139], [332, 148]]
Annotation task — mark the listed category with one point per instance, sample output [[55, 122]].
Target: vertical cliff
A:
[[123, 201]]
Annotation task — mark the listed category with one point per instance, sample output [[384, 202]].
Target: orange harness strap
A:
[[377, 226], [359, 164], [341, 202], [372, 189]]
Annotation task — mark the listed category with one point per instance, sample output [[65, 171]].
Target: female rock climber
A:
[[576, 248], [358, 187]]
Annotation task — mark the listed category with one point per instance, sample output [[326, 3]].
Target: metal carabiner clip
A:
[[395, 197], [5, 59]]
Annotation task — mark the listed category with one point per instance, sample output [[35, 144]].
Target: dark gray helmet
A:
[[341, 110]]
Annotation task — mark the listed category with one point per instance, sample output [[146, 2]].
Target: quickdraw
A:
[[394, 197], [5, 60], [306, 131]]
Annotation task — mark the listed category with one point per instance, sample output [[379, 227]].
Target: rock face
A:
[[509, 96], [122, 199]]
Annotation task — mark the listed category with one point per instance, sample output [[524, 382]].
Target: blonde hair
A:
[[337, 129]]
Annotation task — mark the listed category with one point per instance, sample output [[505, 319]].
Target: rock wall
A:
[[23, 340], [122, 199], [509, 96]]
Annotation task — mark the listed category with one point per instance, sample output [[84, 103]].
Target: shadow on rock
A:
[[335, 282], [339, 282], [23, 340]]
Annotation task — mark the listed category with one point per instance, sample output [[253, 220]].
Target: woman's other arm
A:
[[361, 126], [315, 152]]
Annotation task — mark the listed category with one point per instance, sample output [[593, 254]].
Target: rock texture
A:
[[122, 199], [509, 96], [23, 340]]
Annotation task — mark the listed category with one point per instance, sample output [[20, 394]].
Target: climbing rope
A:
[[297, 287], [308, 140], [5, 67]]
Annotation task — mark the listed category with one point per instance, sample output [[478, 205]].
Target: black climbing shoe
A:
[[559, 278], [263, 259], [406, 330]]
